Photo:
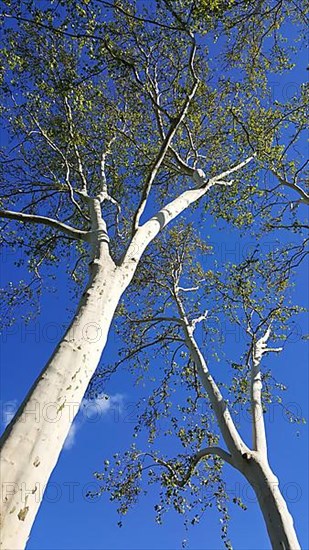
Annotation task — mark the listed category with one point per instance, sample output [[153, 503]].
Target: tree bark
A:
[[33, 441], [278, 520]]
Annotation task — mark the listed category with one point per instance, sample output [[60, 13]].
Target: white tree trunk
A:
[[32, 443], [278, 519]]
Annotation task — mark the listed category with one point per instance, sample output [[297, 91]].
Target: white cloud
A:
[[70, 439], [92, 410]]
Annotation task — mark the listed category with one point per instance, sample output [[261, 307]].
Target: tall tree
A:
[[252, 296], [119, 120]]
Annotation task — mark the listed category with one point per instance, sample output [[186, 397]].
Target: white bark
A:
[[253, 464], [278, 519], [259, 348], [230, 434], [258, 424], [32, 444]]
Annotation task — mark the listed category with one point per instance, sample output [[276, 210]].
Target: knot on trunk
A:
[[247, 457]]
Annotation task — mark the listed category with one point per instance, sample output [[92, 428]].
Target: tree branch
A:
[[200, 178], [230, 434], [75, 147], [194, 460], [164, 148], [149, 230], [294, 186], [155, 320], [220, 177], [59, 226], [203, 453], [259, 348], [55, 148], [136, 18], [199, 319]]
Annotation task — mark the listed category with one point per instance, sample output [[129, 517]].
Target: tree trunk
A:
[[33, 441], [278, 519]]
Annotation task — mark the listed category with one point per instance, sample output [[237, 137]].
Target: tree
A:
[[117, 124], [251, 295]]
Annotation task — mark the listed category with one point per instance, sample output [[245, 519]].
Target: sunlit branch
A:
[[55, 148], [199, 319], [76, 150], [59, 226], [259, 348], [155, 99], [103, 194], [228, 429], [162, 153], [294, 186], [104, 154], [149, 230], [239, 166]]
